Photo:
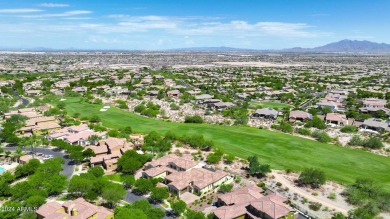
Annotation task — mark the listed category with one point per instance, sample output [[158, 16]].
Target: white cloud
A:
[[20, 10], [152, 31], [54, 5], [63, 14]]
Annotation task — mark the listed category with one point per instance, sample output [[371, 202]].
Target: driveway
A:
[[67, 167]]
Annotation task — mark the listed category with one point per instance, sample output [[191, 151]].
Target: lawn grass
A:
[[114, 177], [269, 104], [281, 151]]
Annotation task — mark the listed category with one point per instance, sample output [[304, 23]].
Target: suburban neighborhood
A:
[[116, 138]]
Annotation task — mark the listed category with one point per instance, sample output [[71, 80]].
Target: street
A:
[[67, 167]]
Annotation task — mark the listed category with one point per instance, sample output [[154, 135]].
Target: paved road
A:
[[25, 101], [68, 167], [131, 197]]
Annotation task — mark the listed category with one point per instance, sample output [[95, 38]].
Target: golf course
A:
[[281, 151]]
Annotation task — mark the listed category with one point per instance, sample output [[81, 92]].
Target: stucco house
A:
[[266, 113], [336, 118], [183, 174], [299, 115], [376, 124], [74, 209], [250, 203]]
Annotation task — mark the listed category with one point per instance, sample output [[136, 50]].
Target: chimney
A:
[[74, 212]]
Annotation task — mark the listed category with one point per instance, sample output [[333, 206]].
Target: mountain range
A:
[[349, 46], [343, 46]]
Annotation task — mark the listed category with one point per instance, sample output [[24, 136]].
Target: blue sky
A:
[[167, 24]]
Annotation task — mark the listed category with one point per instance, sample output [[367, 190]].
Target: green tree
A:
[[76, 155], [143, 185], [159, 194], [94, 119], [193, 119], [127, 130], [225, 188], [88, 153], [316, 122], [349, 129], [179, 207], [257, 169], [93, 139], [229, 158], [321, 136], [61, 105], [131, 161], [128, 181], [313, 177], [35, 201], [113, 193], [213, 158], [191, 214], [113, 133], [338, 215], [80, 186], [125, 213], [27, 169], [12, 214], [97, 171]]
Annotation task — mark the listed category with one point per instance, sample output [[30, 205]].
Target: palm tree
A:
[[18, 153], [93, 139], [7, 153], [33, 141]]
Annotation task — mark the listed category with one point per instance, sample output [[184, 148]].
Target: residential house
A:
[[249, 202], [299, 115], [376, 124], [27, 112], [336, 118], [82, 138], [196, 180], [168, 164], [40, 125], [80, 89], [153, 93], [24, 159], [108, 151], [183, 174], [67, 131], [222, 105], [73, 209], [195, 91], [33, 92], [332, 105], [266, 113], [372, 105], [202, 97], [116, 144], [174, 93]]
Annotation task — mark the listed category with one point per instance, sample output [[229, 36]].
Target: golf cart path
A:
[[287, 183]]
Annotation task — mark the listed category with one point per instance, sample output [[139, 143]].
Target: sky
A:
[[170, 24]]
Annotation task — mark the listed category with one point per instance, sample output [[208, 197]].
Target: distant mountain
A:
[[211, 49], [351, 46]]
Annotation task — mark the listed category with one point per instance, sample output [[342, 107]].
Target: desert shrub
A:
[[321, 136], [303, 131]]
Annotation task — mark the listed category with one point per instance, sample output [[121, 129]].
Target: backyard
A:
[[266, 104]]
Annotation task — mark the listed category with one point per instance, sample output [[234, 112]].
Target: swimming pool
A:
[[1, 169]]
